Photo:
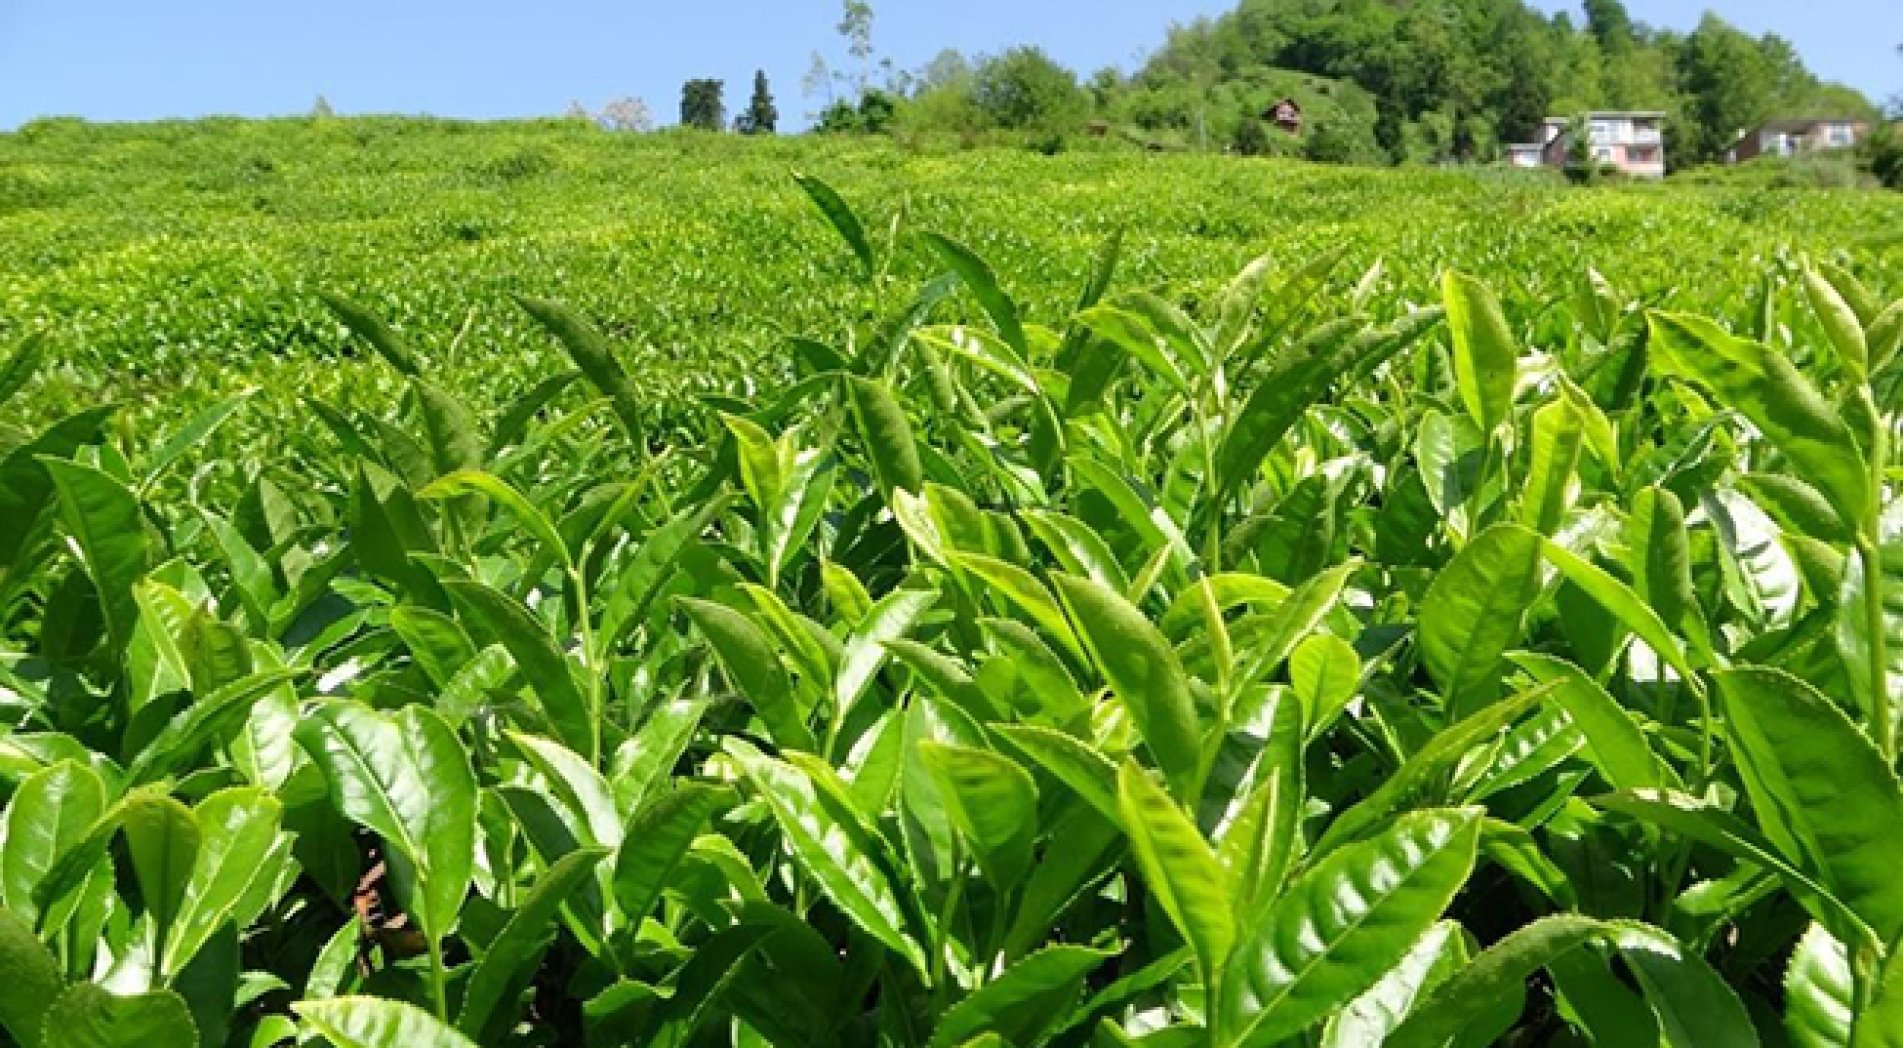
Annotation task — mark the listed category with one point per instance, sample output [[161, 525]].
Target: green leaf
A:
[[1023, 589], [1369, 1018], [1823, 793], [1472, 612], [1281, 396], [1179, 868], [840, 215], [1262, 840], [1660, 558], [240, 852], [195, 431], [1430, 763], [87, 1016], [475, 482], [1692, 1002], [1551, 484], [436, 641], [1819, 994], [496, 618], [1618, 599], [162, 840], [1766, 388], [512, 956], [1714, 827], [1343, 924], [887, 435], [646, 760], [407, 779], [1070, 760], [754, 669], [211, 716], [1144, 672], [21, 366], [576, 784], [1025, 1002], [1131, 333], [32, 980], [835, 849], [371, 328], [1499, 972], [376, 1022], [51, 811], [1880, 1023], [993, 803], [1614, 741], [1881, 568], [1839, 321], [657, 838], [1325, 672], [890, 618], [1486, 358], [592, 355], [983, 285], [104, 519]]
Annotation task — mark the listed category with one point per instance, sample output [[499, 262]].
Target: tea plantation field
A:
[[519, 585], [176, 263]]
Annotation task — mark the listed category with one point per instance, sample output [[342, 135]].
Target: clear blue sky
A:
[[142, 59]]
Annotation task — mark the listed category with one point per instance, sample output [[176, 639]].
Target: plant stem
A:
[[1882, 717], [439, 995]]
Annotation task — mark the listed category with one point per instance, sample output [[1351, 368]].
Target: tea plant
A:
[[1300, 665]]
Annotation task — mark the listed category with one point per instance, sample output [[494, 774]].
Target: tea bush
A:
[[942, 641]]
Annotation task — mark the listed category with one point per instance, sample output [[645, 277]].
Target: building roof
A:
[[1602, 113], [1789, 124]]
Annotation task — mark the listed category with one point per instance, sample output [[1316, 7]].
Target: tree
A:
[[1252, 138], [948, 68], [1609, 24], [321, 109], [703, 104], [760, 116], [818, 82], [626, 114], [1023, 89], [1728, 77], [855, 24], [873, 115]]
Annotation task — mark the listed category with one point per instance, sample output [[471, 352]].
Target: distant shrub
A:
[[1836, 170], [525, 163]]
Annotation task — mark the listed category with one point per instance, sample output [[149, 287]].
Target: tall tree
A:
[[1024, 89], [760, 117], [703, 104], [1729, 80], [817, 84], [855, 24], [1609, 23]]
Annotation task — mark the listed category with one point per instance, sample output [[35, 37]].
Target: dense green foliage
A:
[[175, 265], [1458, 78], [1048, 632], [761, 117], [1390, 81], [703, 105]]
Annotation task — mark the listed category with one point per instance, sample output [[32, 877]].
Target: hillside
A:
[[1460, 78], [173, 262]]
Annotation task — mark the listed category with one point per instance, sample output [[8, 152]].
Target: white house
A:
[[1631, 141]]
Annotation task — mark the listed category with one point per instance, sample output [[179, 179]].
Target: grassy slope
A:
[[177, 261]]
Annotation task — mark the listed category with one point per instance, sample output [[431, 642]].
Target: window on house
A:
[[1602, 153], [1837, 134], [1601, 130]]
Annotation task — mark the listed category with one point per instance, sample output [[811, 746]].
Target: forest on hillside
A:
[[1383, 81]]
